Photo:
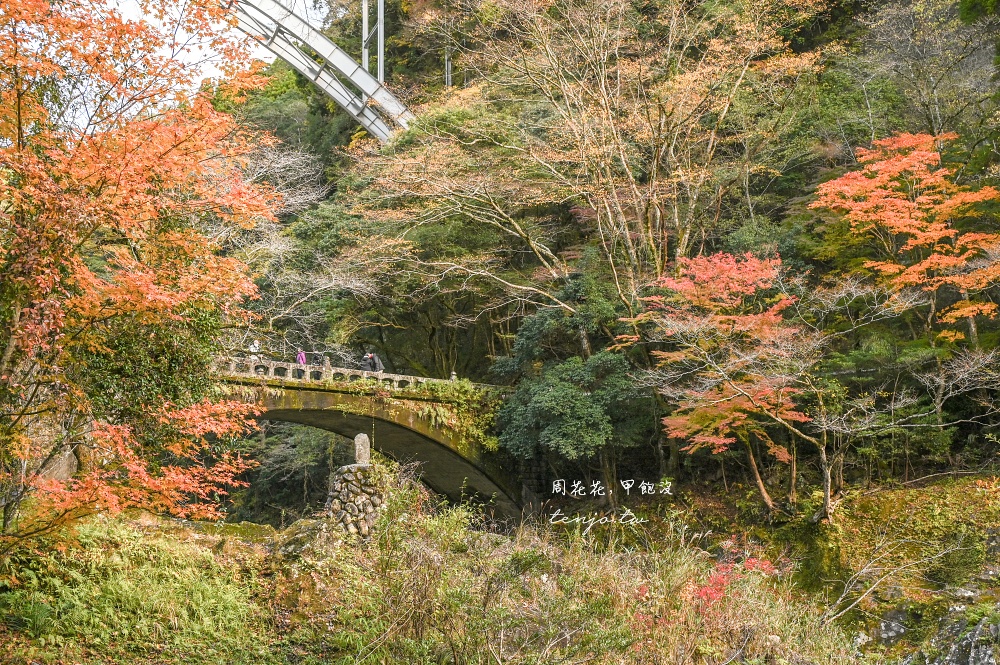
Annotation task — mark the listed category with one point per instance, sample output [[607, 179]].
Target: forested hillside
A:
[[687, 235], [727, 267]]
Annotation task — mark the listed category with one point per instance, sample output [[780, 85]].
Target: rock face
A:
[[308, 536], [353, 501], [959, 645], [892, 626], [993, 543]]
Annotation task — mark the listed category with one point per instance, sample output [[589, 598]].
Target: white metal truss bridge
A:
[[293, 39]]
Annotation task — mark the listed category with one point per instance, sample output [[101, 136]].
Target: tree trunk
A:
[[585, 347], [670, 463], [973, 330], [674, 461], [661, 457], [609, 475], [824, 467], [838, 475], [792, 484], [756, 475], [9, 512]]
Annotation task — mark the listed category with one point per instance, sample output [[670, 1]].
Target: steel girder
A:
[[337, 74]]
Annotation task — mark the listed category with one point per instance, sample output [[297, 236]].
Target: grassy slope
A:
[[926, 550], [429, 588], [926, 546]]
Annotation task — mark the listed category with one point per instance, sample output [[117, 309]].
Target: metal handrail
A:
[[284, 33]]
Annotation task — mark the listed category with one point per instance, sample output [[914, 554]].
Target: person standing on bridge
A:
[[371, 363], [254, 350], [300, 358]]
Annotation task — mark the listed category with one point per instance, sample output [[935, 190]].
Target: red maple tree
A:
[[112, 170], [733, 361], [738, 352]]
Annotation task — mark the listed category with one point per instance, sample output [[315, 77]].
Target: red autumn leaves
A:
[[113, 173], [739, 347]]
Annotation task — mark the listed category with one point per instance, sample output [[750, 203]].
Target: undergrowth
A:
[[435, 584], [112, 593]]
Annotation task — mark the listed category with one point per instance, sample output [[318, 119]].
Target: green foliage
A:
[[114, 594], [856, 103], [573, 402], [974, 9], [963, 557], [575, 409], [929, 534], [467, 411], [980, 611], [140, 365], [290, 481], [298, 113]]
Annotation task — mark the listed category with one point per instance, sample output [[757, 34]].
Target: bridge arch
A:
[[398, 427]]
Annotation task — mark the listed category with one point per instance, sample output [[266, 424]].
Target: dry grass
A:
[[434, 585]]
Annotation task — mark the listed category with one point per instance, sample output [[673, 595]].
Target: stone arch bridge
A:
[[401, 414]]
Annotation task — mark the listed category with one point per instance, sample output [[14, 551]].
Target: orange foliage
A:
[[111, 172], [909, 204], [123, 477], [730, 350]]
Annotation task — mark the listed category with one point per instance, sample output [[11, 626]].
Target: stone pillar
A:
[[362, 449], [353, 502]]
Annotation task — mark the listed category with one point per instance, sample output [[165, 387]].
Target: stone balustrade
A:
[[294, 372]]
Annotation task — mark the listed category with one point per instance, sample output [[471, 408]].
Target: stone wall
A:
[[534, 483], [353, 501]]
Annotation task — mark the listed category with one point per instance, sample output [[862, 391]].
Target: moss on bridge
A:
[[417, 422]]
